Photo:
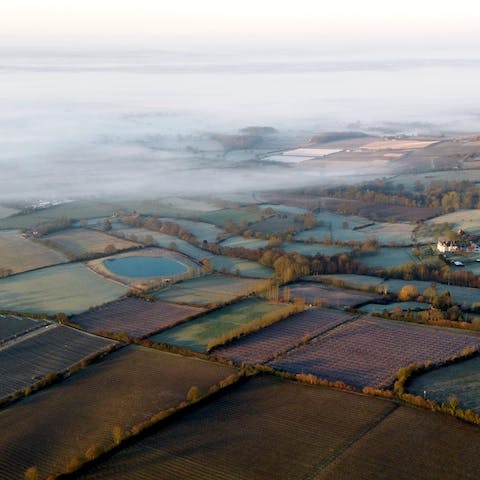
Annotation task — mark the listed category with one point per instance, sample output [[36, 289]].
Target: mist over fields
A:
[[140, 122]]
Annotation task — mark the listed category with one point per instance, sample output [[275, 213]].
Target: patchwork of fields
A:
[[20, 254], [461, 380], [265, 344], [197, 334], [136, 317], [264, 429], [70, 288], [269, 428], [12, 326], [52, 349], [370, 351], [212, 289], [328, 296], [203, 231], [125, 389], [78, 242]]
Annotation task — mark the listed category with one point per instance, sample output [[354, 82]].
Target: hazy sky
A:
[[172, 23]]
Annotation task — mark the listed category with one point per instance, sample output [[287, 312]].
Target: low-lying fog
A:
[[140, 121]]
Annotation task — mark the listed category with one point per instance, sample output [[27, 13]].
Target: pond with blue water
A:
[[145, 267]]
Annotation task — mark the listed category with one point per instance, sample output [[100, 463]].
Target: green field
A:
[[313, 249], [54, 427], [70, 288], [165, 241], [378, 308], [350, 280], [344, 228], [74, 210], [203, 231], [252, 243], [238, 266], [20, 254], [468, 220], [461, 380], [236, 215], [409, 180], [198, 333], [212, 289], [78, 242], [284, 208], [464, 296], [6, 211], [388, 257]]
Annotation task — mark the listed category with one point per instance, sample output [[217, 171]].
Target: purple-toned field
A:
[[370, 351], [328, 296], [281, 336], [52, 349], [134, 316]]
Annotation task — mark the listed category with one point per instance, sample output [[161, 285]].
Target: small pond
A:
[[144, 267]]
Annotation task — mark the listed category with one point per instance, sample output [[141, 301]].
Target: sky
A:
[[289, 23], [91, 89]]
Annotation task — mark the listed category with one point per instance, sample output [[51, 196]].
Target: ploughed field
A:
[[326, 295], [12, 326], [54, 428], [266, 428], [410, 443], [51, 349], [212, 289], [70, 288], [461, 380], [264, 345], [198, 333], [370, 351], [20, 254], [134, 316]]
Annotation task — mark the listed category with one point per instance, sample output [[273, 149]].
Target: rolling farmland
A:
[[53, 349], [238, 241], [328, 296], [78, 242], [264, 429], [134, 316], [461, 380], [123, 390], [240, 266], [203, 231], [163, 240], [212, 289], [237, 215], [410, 443], [263, 345], [370, 351], [197, 334], [12, 326], [70, 288], [33, 253]]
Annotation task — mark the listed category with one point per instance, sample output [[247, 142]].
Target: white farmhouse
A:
[[446, 246]]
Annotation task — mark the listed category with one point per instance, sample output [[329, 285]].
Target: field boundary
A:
[[331, 458]]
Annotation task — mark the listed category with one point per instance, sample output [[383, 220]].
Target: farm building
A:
[[446, 246]]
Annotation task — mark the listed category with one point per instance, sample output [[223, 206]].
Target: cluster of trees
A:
[[448, 195], [155, 225], [432, 272], [60, 223]]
